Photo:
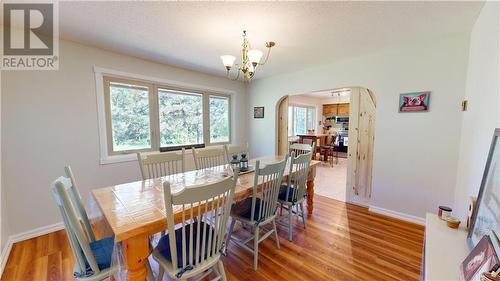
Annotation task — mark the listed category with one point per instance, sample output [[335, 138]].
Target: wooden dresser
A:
[[444, 250]]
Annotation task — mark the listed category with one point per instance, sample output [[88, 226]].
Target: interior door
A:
[[283, 126], [361, 145], [365, 146]]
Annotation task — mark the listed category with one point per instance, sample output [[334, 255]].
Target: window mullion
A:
[[206, 119], [154, 115]]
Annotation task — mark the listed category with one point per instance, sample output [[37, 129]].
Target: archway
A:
[[359, 135]]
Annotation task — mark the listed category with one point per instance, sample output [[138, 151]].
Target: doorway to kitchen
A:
[[340, 125]]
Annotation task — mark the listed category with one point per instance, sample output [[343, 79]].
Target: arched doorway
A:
[[360, 135]]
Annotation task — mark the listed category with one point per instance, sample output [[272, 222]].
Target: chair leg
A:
[[290, 213], [160, 273], [276, 234], [231, 227], [302, 213], [255, 248], [149, 276], [221, 270]]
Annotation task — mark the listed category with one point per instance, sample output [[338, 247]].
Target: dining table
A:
[[135, 211]]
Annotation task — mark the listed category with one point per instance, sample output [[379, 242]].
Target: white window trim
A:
[[100, 72]]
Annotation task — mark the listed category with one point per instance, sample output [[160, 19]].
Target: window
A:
[[219, 119], [300, 119], [181, 118], [142, 116]]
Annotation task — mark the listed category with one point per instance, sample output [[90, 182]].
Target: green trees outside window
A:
[[130, 117], [181, 118], [141, 116], [219, 119]]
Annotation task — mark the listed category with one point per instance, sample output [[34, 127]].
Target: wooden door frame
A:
[[354, 109], [353, 115], [278, 104]]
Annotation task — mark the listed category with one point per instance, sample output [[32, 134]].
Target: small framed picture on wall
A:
[[258, 112], [414, 102]]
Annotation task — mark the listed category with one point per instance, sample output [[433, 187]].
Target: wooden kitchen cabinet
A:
[[330, 109], [341, 109]]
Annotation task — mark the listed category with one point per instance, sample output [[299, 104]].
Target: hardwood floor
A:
[[341, 242]]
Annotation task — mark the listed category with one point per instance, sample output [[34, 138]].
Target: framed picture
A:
[[414, 102], [486, 217], [258, 112], [481, 259]]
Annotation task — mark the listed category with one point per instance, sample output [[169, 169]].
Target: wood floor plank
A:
[[340, 242]]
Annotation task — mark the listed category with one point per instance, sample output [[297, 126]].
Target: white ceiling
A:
[[194, 34]]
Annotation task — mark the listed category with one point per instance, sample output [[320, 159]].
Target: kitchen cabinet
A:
[[343, 109], [329, 109], [340, 109]]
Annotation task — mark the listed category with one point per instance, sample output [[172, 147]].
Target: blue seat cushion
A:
[[244, 208], [103, 251], [164, 245], [282, 194]]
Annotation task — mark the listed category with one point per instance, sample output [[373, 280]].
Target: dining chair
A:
[[302, 148], [259, 209], [292, 194], [76, 198], [327, 150], [209, 157], [232, 149], [195, 248], [92, 257], [161, 164]]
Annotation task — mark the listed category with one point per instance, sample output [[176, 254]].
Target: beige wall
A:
[[49, 120], [483, 114], [416, 154]]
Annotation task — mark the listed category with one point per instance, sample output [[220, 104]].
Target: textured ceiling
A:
[[194, 34]]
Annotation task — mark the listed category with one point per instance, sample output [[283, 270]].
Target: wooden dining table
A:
[[134, 211]]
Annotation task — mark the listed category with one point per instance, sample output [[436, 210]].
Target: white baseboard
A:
[[36, 232], [5, 255], [398, 215], [25, 236]]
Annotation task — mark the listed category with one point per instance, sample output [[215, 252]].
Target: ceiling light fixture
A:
[[250, 59]]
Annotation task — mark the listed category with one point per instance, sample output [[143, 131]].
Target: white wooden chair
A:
[[194, 249], [92, 257], [293, 193], [301, 148], [259, 210], [77, 201], [161, 164], [209, 157], [232, 149]]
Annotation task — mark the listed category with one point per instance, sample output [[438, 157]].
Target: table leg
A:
[[310, 196], [136, 251], [310, 189]]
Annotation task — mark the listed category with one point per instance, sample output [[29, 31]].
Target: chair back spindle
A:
[[297, 177], [301, 148], [161, 164], [266, 188], [205, 158], [70, 182], [205, 212], [78, 240]]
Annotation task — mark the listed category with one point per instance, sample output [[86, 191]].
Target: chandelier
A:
[[250, 59]]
